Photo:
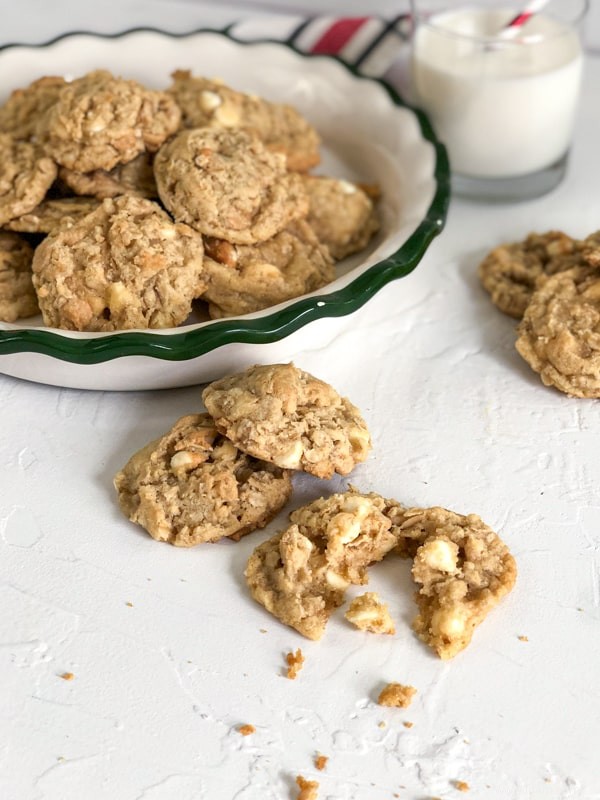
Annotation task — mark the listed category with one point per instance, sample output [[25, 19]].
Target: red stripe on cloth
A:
[[335, 37]]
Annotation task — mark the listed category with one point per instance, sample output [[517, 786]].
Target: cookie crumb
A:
[[381, 724], [396, 695], [462, 786], [67, 676], [368, 613], [321, 761], [523, 638], [408, 724], [295, 661], [246, 730], [129, 605], [308, 789], [262, 630]]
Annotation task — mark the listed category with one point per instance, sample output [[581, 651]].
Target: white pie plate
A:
[[368, 134]]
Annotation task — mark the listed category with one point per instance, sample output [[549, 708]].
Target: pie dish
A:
[[368, 134]]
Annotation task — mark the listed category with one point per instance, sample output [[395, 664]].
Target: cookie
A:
[[509, 273], [559, 335], [286, 416], [17, 295], [246, 278], [125, 265], [192, 485], [341, 214], [99, 121], [463, 570], [21, 113], [136, 178], [25, 177], [280, 127], [368, 613], [300, 575], [53, 214], [224, 183]]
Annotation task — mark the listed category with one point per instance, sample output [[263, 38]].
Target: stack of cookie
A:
[[150, 200], [551, 282], [228, 472]]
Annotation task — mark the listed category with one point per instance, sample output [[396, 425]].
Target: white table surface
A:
[[459, 420]]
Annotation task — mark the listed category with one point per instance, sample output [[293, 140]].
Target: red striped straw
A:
[[517, 22]]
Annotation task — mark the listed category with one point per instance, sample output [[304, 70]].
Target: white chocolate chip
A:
[[228, 116], [209, 100], [290, 459], [183, 460], [360, 441], [440, 554], [335, 580], [347, 187], [344, 527], [361, 507], [226, 451], [448, 623]]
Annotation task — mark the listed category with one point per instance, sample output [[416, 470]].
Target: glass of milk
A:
[[503, 105]]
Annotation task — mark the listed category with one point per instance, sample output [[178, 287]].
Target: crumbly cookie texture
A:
[[396, 695], [99, 121], [301, 574], [226, 184], [463, 570], [280, 127], [53, 214], [368, 613], [342, 215], [245, 278], [17, 295], [308, 789], [136, 178], [25, 177], [282, 414], [559, 335], [509, 272], [21, 113], [125, 265], [192, 485]]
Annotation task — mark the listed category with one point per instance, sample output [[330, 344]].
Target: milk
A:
[[503, 108]]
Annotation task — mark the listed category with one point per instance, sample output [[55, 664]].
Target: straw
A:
[[513, 28]]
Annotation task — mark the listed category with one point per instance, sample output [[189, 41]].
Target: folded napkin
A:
[[370, 44]]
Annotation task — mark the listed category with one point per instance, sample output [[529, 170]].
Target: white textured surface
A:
[[458, 419]]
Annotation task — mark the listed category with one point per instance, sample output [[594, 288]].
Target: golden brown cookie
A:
[[280, 127], [21, 113], [301, 574], [246, 278], [125, 265], [192, 485], [341, 214], [136, 178], [99, 121], [52, 214], [25, 177], [463, 570], [17, 295], [510, 271], [224, 183], [559, 335], [286, 416]]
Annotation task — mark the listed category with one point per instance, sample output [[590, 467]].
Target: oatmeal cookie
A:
[[192, 485], [509, 273], [136, 178], [280, 127], [368, 613], [463, 570], [341, 214], [21, 113], [99, 121], [284, 415], [559, 335], [246, 278], [17, 295], [225, 184], [301, 574], [125, 265], [25, 177], [53, 214]]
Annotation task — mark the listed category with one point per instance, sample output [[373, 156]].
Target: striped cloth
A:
[[370, 44]]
